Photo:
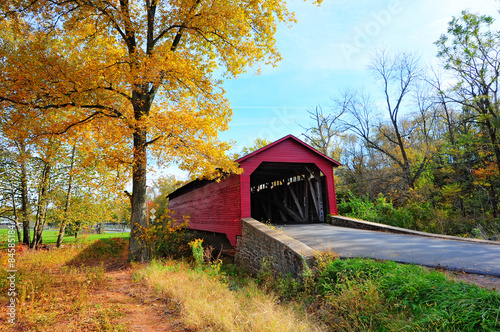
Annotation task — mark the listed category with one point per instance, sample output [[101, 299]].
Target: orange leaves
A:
[[126, 77], [101, 71], [487, 174]]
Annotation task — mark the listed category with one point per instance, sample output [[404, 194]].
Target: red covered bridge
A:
[[284, 182]]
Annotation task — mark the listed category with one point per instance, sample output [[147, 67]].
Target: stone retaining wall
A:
[[372, 226], [366, 225], [259, 242]]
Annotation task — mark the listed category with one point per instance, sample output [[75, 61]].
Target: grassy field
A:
[[50, 237]]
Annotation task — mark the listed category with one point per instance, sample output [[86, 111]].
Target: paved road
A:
[[451, 254]]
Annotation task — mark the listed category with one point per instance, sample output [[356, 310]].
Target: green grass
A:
[[372, 295], [50, 237], [336, 295], [346, 295], [391, 296]]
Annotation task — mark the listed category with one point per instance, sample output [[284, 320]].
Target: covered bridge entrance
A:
[[286, 193], [284, 182]]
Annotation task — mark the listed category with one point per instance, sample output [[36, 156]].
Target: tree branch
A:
[[153, 140]]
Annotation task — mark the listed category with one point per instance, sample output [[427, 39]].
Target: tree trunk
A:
[[60, 236], [406, 164], [138, 220], [24, 195], [16, 214], [454, 156], [42, 207], [492, 132], [137, 245], [18, 230], [494, 201]]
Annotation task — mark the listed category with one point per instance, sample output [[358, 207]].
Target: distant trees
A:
[[388, 129], [257, 144], [383, 133], [432, 149], [470, 52], [326, 127], [47, 181], [159, 191]]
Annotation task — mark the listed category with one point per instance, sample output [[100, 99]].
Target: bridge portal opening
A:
[[288, 193]]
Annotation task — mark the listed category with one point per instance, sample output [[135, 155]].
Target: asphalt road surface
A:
[[455, 255]]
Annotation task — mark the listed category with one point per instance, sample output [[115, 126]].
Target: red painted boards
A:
[[214, 207], [219, 206]]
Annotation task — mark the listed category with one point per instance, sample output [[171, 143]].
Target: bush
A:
[[417, 215], [380, 211], [167, 238], [358, 207]]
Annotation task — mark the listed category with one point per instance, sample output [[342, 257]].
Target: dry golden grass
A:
[[53, 295], [57, 291], [206, 303]]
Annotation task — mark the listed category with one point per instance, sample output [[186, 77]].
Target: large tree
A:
[[142, 70]]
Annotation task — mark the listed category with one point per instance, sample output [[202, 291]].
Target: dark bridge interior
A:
[[288, 193]]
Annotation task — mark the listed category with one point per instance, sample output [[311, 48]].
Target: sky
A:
[[328, 50]]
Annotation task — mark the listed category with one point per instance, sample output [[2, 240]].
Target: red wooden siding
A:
[[214, 207], [219, 206]]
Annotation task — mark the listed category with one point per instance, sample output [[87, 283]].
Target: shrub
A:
[[168, 238], [197, 249], [380, 211]]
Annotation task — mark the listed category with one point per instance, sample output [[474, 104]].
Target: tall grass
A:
[[337, 295], [384, 295], [55, 295], [55, 289], [208, 301]]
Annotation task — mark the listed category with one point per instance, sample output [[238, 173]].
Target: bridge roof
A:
[[288, 137], [272, 168]]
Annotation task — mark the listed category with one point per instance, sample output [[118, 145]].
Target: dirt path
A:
[[143, 311]]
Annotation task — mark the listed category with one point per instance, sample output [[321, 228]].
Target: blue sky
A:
[[328, 50]]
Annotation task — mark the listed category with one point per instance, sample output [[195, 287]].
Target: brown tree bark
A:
[[16, 214], [42, 207], [60, 236], [142, 99], [24, 195], [137, 245]]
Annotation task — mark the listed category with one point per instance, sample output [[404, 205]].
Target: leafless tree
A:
[[326, 127], [400, 77]]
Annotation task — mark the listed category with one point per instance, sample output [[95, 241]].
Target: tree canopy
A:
[[137, 75]]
